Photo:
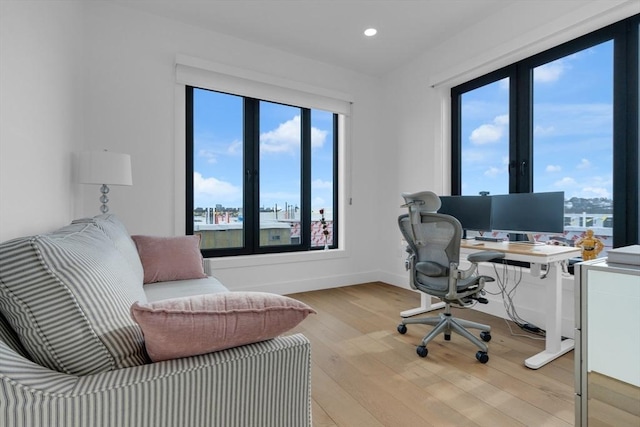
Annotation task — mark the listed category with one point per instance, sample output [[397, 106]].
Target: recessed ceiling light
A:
[[370, 32]]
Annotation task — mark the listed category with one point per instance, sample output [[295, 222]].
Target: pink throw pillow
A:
[[170, 258], [200, 324]]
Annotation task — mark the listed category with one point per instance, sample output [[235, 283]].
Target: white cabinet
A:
[[607, 356]]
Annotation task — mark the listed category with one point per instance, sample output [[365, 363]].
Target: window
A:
[[261, 175], [563, 120]]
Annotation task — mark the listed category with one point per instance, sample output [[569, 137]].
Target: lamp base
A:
[[104, 189]]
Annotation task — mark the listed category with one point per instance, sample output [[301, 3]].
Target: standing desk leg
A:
[[555, 346], [425, 306]]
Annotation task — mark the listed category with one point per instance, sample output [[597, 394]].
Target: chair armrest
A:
[[257, 384], [484, 256], [475, 258]]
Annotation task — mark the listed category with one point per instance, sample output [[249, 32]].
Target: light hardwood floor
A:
[[364, 373]]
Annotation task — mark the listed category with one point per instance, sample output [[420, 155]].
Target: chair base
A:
[[445, 323]]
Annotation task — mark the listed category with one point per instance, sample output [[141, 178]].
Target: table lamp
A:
[[105, 168]]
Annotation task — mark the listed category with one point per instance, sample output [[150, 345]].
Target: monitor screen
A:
[[473, 212], [528, 212]]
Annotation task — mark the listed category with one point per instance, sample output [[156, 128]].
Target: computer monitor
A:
[[473, 212], [528, 213]]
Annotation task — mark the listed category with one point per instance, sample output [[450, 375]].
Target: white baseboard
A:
[[312, 284]]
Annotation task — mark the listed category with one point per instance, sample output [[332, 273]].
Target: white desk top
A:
[[523, 252]]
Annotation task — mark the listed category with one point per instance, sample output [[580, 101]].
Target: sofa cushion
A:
[[67, 295], [117, 232], [202, 324], [183, 288], [170, 258], [10, 338]]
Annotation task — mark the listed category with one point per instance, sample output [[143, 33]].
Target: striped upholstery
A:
[[71, 356], [117, 232], [266, 384], [67, 295], [10, 338]]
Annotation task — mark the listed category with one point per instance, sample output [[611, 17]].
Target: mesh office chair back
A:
[[435, 242], [434, 253]]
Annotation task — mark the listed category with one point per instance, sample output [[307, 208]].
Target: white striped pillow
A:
[[67, 294]]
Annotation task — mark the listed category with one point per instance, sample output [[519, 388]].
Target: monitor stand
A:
[[531, 240]]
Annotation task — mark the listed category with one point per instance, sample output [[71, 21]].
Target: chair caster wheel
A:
[[486, 336], [402, 329], [422, 351], [482, 356], [447, 337]]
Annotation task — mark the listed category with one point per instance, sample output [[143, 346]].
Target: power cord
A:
[[508, 295]]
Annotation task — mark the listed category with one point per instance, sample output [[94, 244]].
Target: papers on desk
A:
[[625, 255]]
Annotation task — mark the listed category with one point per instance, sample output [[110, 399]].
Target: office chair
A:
[[434, 251]]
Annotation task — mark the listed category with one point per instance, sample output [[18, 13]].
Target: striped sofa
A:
[[71, 355]]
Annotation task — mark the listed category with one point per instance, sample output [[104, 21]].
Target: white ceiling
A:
[[331, 31]]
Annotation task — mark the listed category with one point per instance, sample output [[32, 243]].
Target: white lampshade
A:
[[105, 167]]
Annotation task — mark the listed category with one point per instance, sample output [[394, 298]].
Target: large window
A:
[[261, 176], [563, 120]]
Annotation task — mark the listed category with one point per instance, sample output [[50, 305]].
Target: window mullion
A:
[[189, 159], [251, 174], [305, 176], [336, 205], [522, 145], [456, 142], [625, 131]]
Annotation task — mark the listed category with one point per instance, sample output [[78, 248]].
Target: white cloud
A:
[[543, 131], [586, 187], [590, 192], [584, 164], [502, 120], [550, 72], [553, 168], [318, 203], [213, 189], [485, 134], [574, 121], [318, 137], [490, 132], [208, 155], [235, 147], [318, 183], [286, 137], [492, 171], [565, 182], [212, 155]]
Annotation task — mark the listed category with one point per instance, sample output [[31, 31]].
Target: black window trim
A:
[[251, 196], [625, 125]]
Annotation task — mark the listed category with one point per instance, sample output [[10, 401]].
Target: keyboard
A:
[[526, 242], [488, 239]]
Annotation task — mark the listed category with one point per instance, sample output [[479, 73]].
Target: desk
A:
[[537, 255]]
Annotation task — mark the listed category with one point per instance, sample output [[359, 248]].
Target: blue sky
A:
[[573, 129], [218, 153]]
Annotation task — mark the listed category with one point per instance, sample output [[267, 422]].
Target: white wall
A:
[[40, 114], [129, 101]]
